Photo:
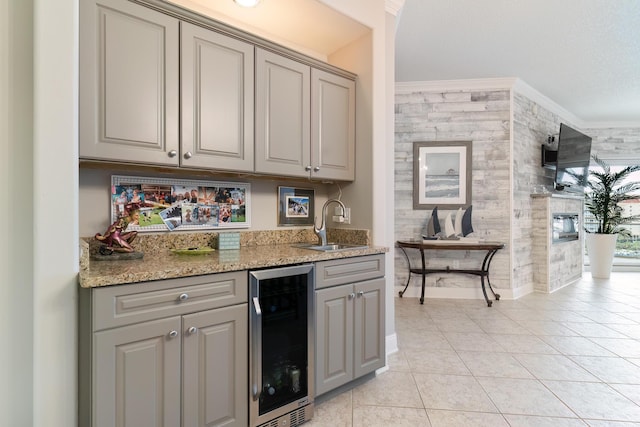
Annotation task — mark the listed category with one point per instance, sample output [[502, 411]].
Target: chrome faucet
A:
[[322, 231]]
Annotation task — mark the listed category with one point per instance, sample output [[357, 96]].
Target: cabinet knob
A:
[[360, 293], [316, 169], [192, 330], [188, 155], [173, 334], [183, 297], [352, 295], [307, 168], [172, 153]]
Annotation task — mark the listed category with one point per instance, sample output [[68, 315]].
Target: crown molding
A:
[[544, 101], [393, 6], [455, 85]]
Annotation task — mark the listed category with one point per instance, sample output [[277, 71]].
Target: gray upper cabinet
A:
[[128, 83], [283, 104], [333, 124], [216, 100], [160, 91], [305, 120]]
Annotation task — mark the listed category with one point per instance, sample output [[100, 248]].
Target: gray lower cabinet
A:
[[349, 320], [165, 353]]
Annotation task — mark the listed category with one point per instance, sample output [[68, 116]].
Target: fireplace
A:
[[565, 227]]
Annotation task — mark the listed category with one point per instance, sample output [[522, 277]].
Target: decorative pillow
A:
[[467, 228]]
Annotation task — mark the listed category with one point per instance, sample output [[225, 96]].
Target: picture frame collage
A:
[[160, 204]]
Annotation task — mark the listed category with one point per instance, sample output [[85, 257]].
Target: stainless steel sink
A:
[[331, 247]]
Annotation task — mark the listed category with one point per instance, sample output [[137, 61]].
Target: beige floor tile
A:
[[440, 418], [546, 328], [630, 391], [379, 416], [533, 421], [398, 362], [601, 423], [578, 346], [472, 342], [423, 340], [524, 344], [595, 401], [462, 393], [501, 365], [554, 367], [631, 331], [593, 330], [525, 397], [502, 326], [436, 362], [337, 411], [456, 325], [621, 347], [610, 369], [388, 389]]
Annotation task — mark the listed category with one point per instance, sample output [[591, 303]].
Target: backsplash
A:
[[150, 244]]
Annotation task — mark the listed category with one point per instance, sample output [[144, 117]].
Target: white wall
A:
[[16, 216], [55, 207]]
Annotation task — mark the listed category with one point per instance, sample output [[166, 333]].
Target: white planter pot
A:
[[601, 248]]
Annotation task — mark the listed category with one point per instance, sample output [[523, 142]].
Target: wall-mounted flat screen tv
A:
[[573, 157]]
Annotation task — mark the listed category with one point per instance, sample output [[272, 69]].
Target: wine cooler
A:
[[281, 346]]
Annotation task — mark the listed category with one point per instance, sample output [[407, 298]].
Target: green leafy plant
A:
[[604, 191]]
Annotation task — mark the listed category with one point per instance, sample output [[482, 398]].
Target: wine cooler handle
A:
[[257, 349]]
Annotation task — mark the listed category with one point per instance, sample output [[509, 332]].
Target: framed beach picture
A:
[[161, 204], [295, 206], [441, 174]]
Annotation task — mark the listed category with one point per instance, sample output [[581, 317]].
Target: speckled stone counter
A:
[[258, 249]]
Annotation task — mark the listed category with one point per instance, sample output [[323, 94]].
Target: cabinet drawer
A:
[[126, 304], [348, 270]]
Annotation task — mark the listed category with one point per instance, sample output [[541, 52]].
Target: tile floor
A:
[[571, 358]]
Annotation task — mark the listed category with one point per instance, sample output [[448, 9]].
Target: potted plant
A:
[[604, 190]]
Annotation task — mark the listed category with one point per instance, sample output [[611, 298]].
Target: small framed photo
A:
[[295, 206], [441, 174]]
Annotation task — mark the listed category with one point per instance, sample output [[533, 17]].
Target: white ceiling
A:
[[582, 54], [308, 26]]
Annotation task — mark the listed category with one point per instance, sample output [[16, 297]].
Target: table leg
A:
[[408, 278], [424, 276], [485, 272]]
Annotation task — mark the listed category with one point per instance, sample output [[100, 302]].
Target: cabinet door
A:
[[282, 115], [333, 117], [137, 375], [334, 337], [369, 327], [215, 373], [216, 100], [128, 83]]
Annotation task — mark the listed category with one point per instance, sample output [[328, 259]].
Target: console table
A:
[[451, 245]]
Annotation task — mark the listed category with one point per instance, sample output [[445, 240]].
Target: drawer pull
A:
[[351, 296], [173, 334], [192, 330], [360, 293], [183, 297]]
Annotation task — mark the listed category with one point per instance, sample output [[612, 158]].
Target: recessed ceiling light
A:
[[247, 3]]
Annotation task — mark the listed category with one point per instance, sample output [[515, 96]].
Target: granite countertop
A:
[[159, 262]]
